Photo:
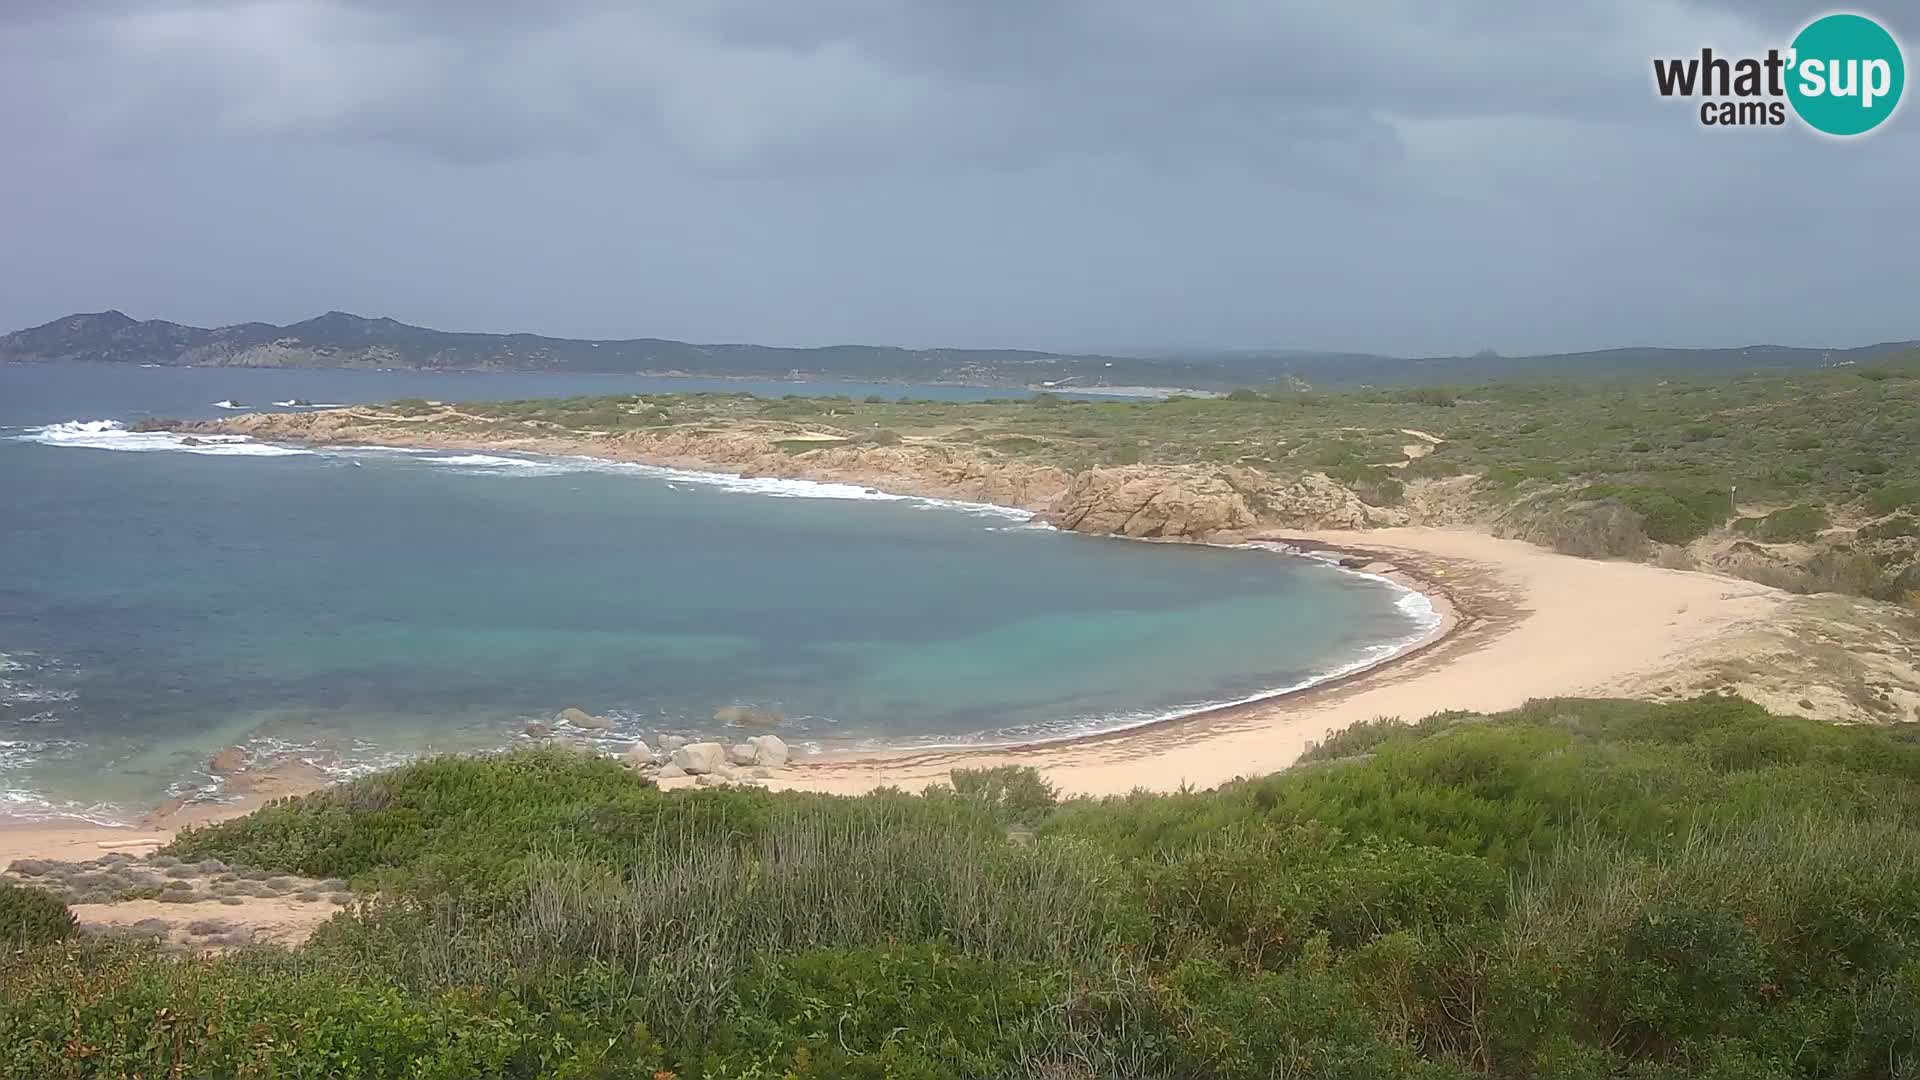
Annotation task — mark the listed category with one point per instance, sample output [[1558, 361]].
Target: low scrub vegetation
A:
[[1577, 889], [1602, 467], [1781, 526], [30, 916]]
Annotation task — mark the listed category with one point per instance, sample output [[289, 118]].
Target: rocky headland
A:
[[1218, 504]]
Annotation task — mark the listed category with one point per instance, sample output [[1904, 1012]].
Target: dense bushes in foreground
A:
[[30, 916], [1577, 889]]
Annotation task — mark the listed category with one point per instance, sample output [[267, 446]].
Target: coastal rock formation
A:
[[583, 719], [639, 754], [747, 716], [1145, 501], [1311, 501], [1196, 504], [1175, 502], [537, 730], [702, 757], [740, 754], [769, 750], [230, 760]]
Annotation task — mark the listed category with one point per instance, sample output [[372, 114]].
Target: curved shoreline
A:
[[1260, 734], [1446, 618]]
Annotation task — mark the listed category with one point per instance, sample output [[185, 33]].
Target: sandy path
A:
[[1531, 624], [71, 842], [278, 920]]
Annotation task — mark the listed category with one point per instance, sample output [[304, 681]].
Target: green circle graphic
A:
[[1847, 74]]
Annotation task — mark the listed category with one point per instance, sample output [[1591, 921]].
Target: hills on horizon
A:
[[342, 340]]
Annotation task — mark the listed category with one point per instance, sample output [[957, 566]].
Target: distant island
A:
[[342, 340]]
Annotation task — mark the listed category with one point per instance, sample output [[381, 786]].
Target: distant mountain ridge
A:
[[342, 340]]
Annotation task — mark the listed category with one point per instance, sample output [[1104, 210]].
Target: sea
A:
[[359, 607]]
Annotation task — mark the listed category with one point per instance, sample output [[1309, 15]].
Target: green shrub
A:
[[1671, 514], [1896, 527], [1572, 889], [913, 1013], [1604, 530], [1781, 526], [1266, 895], [30, 916], [1014, 793], [124, 1010], [1888, 498], [471, 825], [1376, 486]]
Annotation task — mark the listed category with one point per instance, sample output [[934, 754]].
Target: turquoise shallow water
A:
[[158, 602]]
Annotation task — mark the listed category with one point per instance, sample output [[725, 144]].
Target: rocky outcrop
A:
[[1197, 504], [229, 760], [701, 757], [1144, 501], [1310, 501], [1174, 502], [769, 751], [581, 718]]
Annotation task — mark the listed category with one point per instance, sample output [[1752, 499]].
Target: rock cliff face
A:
[[1145, 501], [1197, 504]]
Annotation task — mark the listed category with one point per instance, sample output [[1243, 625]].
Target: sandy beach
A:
[[1523, 623]]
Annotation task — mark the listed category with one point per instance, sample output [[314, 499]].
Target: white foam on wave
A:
[[113, 435], [19, 802], [773, 486], [1412, 603], [228, 403], [495, 464]]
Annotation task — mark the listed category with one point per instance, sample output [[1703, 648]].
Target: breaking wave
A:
[[113, 435]]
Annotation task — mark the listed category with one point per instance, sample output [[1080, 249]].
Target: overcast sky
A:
[[1404, 176]]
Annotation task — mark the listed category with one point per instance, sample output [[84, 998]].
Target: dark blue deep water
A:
[[158, 602]]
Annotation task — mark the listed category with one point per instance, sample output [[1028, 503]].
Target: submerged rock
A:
[[583, 719], [230, 760], [538, 730], [748, 716]]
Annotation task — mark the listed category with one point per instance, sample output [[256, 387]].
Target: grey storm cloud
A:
[[1393, 175]]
